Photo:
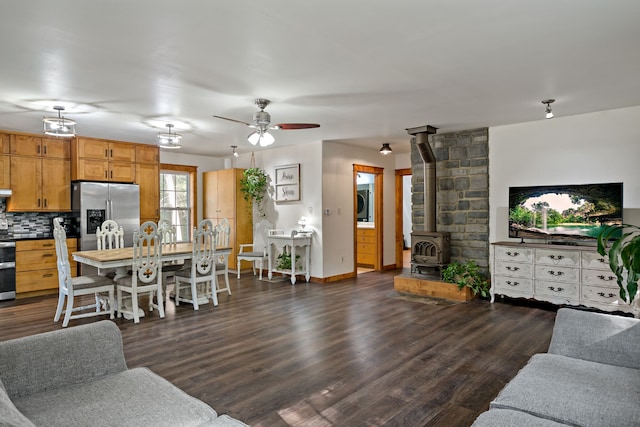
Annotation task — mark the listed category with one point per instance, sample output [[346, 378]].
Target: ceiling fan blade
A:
[[293, 126], [232, 120]]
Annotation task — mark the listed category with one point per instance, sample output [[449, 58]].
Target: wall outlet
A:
[[4, 224]]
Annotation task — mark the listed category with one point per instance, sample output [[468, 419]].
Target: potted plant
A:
[[624, 256], [467, 275], [283, 261], [254, 186]]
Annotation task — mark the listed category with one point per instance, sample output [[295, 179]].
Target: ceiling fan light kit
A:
[[262, 120], [59, 126]]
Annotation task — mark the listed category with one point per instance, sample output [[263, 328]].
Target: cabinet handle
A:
[[106, 174], [47, 255], [513, 253], [551, 288], [606, 279], [45, 203], [559, 257], [38, 150], [45, 150], [555, 273], [111, 174], [111, 153], [510, 283], [106, 152], [512, 268], [48, 275], [610, 295], [47, 245], [601, 260], [38, 202]]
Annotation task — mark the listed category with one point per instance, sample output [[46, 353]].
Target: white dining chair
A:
[[256, 252], [109, 235], [223, 231], [146, 272], [71, 287], [168, 234], [199, 282]]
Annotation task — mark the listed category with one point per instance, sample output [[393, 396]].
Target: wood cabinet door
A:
[[25, 145], [5, 171], [26, 181], [122, 152], [56, 148], [226, 193], [56, 185], [146, 153], [148, 178], [5, 143], [122, 172], [91, 170], [210, 194], [87, 148]]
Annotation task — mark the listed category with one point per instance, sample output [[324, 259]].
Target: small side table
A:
[[297, 239]]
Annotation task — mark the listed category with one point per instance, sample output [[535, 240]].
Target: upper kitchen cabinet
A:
[[102, 160], [31, 145], [148, 178], [5, 161], [39, 185]]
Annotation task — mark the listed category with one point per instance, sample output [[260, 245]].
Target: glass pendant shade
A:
[[59, 126], [263, 137], [386, 149]]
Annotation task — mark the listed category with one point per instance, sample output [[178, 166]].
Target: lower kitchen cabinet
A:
[[36, 265]]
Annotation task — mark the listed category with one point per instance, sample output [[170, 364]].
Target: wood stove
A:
[[429, 250]]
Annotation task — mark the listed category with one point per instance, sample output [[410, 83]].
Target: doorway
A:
[[367, 218], [403, 217]]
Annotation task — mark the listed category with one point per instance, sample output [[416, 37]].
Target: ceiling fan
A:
[[261, 121]]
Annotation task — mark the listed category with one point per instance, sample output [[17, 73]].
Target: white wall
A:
[[588, 148]]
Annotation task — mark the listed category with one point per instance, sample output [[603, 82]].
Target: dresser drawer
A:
[[513, 253], [513, 285], [564, 291], [602, 295], [599, 278], [513, 269], [595, 261], [557, 274], [558, 257]]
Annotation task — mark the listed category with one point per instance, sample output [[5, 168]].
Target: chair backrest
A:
[[260, 235], [62, 254], [147, 253], [223, 229], [167, 232], [110, 235], [204, 251]]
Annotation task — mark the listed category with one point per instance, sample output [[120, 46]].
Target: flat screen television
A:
[[564, 213]]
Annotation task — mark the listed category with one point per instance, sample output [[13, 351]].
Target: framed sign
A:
[[287, 183]]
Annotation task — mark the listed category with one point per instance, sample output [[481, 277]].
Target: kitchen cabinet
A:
[[5, 161], [36, 265], [39, 174], [102, 160], [366, 242], [148, 178], [223, 199]]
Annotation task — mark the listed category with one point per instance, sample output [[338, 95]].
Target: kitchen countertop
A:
[[29, 236]]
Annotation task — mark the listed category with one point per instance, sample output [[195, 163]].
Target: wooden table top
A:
[[127, 253]]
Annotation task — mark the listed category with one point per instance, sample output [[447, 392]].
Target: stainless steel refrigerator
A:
[[95, 202]]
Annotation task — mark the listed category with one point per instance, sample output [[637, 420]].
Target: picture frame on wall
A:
[[287, 183]]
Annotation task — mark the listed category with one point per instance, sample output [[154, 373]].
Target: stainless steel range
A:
[[7, 270]]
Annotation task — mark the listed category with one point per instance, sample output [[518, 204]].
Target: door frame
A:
[[399, 215], [377, 197]]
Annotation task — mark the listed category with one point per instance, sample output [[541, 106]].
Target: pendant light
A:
[[386, 149], [235, 153], [169, 140], [59, 126]]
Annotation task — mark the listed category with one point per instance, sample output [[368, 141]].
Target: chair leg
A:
[[112, 304], [134, 306], [67, 314], [194, 294], [119, 301], [176, 291], [238, 269], [226, 279], [214, 290], [61, 297], [160, 300]]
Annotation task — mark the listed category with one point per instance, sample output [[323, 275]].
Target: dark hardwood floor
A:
[[339, 354]]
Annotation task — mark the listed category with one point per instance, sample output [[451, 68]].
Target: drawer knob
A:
[[606, 279], [513, 253], [552, 288], [601, 260], [510, 283], [555, 273], [609, 295], [558, 257], [512, 268]]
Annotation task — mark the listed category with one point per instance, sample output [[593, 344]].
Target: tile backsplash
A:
[[29, 222]]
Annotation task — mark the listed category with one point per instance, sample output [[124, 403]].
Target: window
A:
[[175, 202]]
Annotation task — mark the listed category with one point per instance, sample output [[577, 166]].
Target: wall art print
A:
[[287, 183]]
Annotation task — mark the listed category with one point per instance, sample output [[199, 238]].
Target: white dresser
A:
[[564, 275]]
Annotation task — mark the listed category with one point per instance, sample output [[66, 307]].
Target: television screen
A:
[[564, 212]]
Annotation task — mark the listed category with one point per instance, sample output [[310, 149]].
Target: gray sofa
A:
[[78, 377], [589, 377]]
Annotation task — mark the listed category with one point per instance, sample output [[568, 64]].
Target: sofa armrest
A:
[[604, 338], [61, 358]]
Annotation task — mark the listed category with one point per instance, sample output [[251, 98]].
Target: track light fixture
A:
[[59, 126], [386, 149], [170, 140], [549, 113], [234, 152], [261, 136]]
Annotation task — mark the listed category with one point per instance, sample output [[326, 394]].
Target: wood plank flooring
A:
[[339, 354]]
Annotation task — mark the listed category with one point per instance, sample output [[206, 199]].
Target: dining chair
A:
[[168, 234], [223, 231], [109, 235], [71, 287], [256, 252], [200, 280], [146, 272]]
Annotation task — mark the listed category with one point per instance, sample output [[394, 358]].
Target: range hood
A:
[[5, 192]]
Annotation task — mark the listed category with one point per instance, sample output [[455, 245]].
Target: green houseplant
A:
[[468, 275], [254, 187], [283, 261], [624, 256]]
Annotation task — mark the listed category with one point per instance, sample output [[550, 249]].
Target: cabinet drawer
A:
[[602, 295], [366, 248], [514, 269], [365, 258], [37, 280], [557, 257], [594, 260], [565, 291], [513, 285], [514, 253], [599, 278], [557, 274], [366, 239], [32, 245], [36, 260]]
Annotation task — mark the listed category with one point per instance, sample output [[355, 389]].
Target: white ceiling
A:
[[365, 70]]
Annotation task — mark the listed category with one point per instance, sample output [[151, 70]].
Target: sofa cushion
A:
[[511, 418], [9, 414], [574, 391], [133, 397], [604, 338]]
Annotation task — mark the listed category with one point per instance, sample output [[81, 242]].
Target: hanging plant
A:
[[254, 187]]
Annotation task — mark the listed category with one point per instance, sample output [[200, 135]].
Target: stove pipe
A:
[[429, 164]]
